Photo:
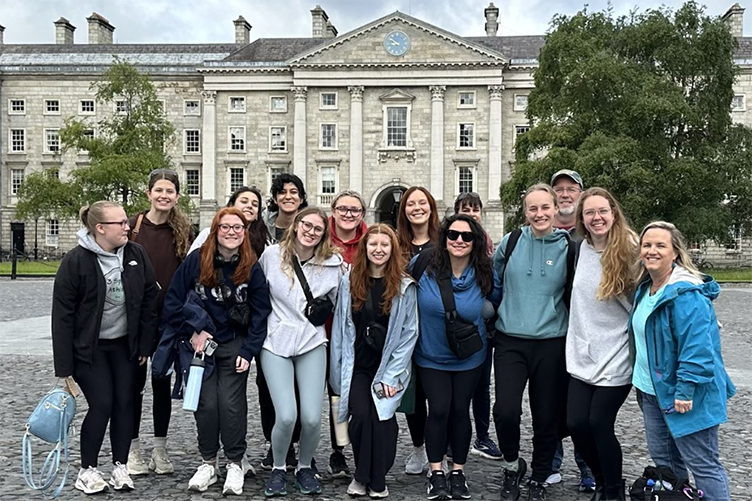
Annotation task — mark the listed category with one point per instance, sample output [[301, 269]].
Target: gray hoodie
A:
[[114, 316]]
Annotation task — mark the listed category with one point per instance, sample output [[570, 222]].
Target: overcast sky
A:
[[210, 21]]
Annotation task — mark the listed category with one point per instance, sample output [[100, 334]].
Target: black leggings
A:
[[449, 394], [591, 413], [161, 406], [108, 385], [416, 422]]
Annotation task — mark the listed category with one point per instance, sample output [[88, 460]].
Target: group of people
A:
[[574, 305]]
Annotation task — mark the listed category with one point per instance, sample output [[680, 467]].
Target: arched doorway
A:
[[387, 205]]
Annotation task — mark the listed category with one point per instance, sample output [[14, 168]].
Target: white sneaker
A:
[[356, 489], [90, 481], [416, 462], [379, 494], [233, 480], [136, 464], [205, 476], [160, 462], [120, 480], [554, 478], [248, 469]]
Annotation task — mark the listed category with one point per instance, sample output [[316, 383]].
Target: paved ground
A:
[[26, 373]]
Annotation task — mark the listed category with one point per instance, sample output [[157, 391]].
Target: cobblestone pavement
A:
[[27, 373]]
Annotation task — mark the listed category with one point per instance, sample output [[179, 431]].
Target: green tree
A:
[[641, 105]]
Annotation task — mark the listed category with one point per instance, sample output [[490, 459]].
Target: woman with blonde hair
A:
[[597, 351], [304, 272]]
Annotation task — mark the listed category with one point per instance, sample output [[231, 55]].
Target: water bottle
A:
[[193, 387]]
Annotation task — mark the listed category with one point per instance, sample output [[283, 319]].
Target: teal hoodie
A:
[[533, 280]]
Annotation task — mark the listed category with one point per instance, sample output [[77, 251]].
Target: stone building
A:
[[394, 103]]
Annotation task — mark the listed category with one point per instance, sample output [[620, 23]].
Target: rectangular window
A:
[[738, 104], [278, 139], [237, 138], [328, 185], [192, 141], [328, 100], [121, 107], [89, 134], [466, 99], [237, 178], [192, 185], [17, 106], [192, 107], [51, 140], [520, 102], [465, 179], [519, 130], [18, 140], [278, 104], [52, 235], [328, 136], [396, 126], [87, 107], [51, 106], [237, 104], [16, 180], [466, 136]]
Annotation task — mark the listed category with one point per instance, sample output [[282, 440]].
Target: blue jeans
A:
[[697, 451], [559, 458]]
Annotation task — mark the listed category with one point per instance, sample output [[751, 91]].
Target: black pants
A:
[[591, 414], [449, 394], [108, 385], [330, 392], [223, 407], [266, 406], [416, 422], [161, 406], [482, 398], [541, 361], [374, 442]]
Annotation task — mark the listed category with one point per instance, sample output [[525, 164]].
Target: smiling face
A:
[[378, 249], [597, 215], [163, 196], [310, 230], [459, 248], [231, 233], [540, 210], [248, 203], [657, 253], [567, 192], [344, 213], [288, 199], [417, 208], [112, 233]]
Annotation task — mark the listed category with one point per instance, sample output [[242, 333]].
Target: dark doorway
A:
[[18, 237], [387, 205]]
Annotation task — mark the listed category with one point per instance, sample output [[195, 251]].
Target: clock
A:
[[397, 43]]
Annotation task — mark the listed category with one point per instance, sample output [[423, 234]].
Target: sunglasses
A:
[[467, 236]]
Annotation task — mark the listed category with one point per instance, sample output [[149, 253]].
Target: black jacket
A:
[[78, 302]]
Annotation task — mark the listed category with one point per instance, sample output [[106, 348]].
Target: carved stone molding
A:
[[495, 91], [396, 156], [356, 93], [437, 92], [301, 93], [210, 96]]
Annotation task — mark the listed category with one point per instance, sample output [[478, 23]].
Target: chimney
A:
[[319, 20], [492, 20], [734, 18], [2, 30], [242, 31], [64, 32], [331, 31], [100, 30]]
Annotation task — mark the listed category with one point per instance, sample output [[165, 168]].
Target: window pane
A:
[[192, 182], [16, 180], [465, 179], [236, 179], [328, 136], [279, 103], [17, 106], [467, 98], [192, 108], [121, 106], [53, 233], [87, 106], [467, 136], [52, 106], [17, 140], [52, 140], [278, 139], [328, 175], [192, 141], [329, 99], [237, 104], [396, 126], [237, 138]]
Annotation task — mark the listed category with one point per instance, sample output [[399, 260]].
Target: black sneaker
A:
[[306, 481], [437, 486], [291, 461], [536, 491], [277, 484], [458, 485], [510, 486], [268, 462], [338, 465]]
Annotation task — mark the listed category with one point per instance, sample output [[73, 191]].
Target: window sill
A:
[[466, 148], [277, 111], [236, 152], [278, 152], [191, 153], [466, 107]]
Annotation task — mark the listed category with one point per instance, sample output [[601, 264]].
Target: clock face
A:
[[397, 43]]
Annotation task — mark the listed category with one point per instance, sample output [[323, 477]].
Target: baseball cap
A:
[[573, 175]]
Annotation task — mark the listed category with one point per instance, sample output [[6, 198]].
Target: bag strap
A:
[[572, 256], [447, 295], [50, 470], [368, 308], [420, 265], [301, 278], [514, 237], [137, 228]]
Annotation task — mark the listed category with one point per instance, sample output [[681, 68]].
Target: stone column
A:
[[494, 143], [437, 141], [356, 138], [300, 161], [208, 204]]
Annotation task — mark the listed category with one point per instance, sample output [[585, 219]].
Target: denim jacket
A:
[[684, 352], [395, 367]]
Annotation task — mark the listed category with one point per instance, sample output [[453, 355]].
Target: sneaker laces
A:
[[457, 480], [91, 474], [305, 476], [510, 480], [204, 472], [537, 490]]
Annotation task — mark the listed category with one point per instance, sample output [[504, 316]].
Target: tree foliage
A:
[[640, 105]]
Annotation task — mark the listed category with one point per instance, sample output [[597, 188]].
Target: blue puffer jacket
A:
[[684, 352]]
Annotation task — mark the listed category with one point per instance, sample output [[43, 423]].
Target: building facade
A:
[[394, 103]]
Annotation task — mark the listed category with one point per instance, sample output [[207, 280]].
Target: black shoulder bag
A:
[[238, 313], [463, 336], [375, 333], [318, 309]]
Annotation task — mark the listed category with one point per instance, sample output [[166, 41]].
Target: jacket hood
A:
[[543, 241], [106, 259], [338, 241], [682, 280]]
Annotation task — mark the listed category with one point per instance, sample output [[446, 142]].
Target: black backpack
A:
[[649, 487]]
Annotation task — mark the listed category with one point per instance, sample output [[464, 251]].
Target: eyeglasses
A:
[[568, 189], [308, 228], [236, 228], [123, 224], [342, 210], [467, 236], [603, 212], [169, 172]]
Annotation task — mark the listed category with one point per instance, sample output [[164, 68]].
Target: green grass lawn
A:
[[31, 268], [730, 274]]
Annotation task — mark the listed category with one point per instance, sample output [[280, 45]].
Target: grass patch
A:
[[730, 274], [31, 268]]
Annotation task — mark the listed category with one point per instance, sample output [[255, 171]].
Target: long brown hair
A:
[[394, 272], [210, 249], [405, 229], [323, 251], [176, 219], [620, 255]]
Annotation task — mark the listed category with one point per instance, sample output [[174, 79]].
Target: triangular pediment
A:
[[396, 95], [426, 45]]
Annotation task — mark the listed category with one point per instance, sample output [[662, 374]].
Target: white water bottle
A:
[[193, 387]]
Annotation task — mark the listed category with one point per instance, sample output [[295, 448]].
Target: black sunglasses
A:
[[467, 236]]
